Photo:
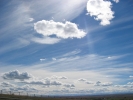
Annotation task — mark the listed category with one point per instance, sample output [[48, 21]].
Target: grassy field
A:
[[107, 97]]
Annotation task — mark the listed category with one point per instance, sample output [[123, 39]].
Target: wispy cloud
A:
[[14, 44], [45, 40], [72, 53], [42, 59]]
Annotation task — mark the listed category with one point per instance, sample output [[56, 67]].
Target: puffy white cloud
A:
[[12, 75], [59, 29], [116, 1], [101, 10]]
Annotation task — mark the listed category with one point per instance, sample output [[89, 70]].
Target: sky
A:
[[66, 47]]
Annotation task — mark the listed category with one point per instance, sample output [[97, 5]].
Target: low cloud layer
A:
[[59, 29], [101, 10], [69, 85], [12, 75], [98, 83], [46, 82], [6, 84]]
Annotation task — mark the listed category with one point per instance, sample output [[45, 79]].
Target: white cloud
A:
[[57, 77], [89, 82], [6, 84], [107, 84], [130, 83], [59, 29], [24, 88], [45, 40], [31, 19], [101, 10], [69, 85], [62, 77], [116, 1], [54, 59], [72, 53], [130, 76], [42, 60], [46, 82], [12, 75], [82, 79], [98, 83]]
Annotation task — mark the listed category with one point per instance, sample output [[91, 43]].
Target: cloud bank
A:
[[46, 82], [59, 29], [101, 10], [12, 75]]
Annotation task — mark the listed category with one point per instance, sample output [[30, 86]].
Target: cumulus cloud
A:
[[69, 85], [107, 84], [58, 77], [12, 75], [46, 82], [6, 84], [23, 88], [88, 82], [101, 10], [116, 1], [54, 77], [62, 77], [82, 79], [59, 29], [85, 80], [130, 83], [98, 83]]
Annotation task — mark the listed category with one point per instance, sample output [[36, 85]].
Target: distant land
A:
[[93, 97]]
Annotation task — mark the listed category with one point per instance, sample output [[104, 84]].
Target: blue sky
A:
[[66, 47]]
